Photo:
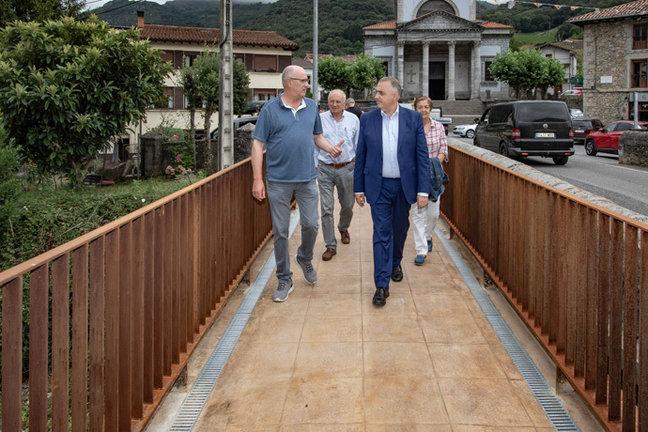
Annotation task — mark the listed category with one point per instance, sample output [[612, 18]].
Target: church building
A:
[[439, 49]]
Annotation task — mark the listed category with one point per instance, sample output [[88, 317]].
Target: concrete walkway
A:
[[328, 360]]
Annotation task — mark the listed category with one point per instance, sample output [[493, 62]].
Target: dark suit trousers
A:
[[390, 214]]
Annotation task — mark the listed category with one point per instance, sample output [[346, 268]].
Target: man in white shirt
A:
[[338, 125]]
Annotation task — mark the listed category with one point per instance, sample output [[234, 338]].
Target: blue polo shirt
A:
[[288, 136]]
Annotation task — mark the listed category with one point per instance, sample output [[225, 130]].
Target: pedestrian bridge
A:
[[164, 320]]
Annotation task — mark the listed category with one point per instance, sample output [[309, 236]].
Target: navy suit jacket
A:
[[413, 159]]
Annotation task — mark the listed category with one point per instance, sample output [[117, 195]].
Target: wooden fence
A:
[[115, 314], [575, 272]]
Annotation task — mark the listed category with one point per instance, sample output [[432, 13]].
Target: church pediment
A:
[[439, 20]]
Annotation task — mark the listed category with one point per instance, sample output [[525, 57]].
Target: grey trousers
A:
[[328, 178], [279, 196]]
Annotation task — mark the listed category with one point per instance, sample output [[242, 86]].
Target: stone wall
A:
[[633, 148], [606, 50], [606, 107]]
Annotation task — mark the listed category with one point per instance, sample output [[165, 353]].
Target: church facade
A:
[[439, 49]]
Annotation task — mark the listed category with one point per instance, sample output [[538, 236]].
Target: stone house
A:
[[439, 49], [615, 61]]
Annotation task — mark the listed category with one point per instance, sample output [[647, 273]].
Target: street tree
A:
[[526, 70], [206, 76], [38, 10], [190, 84], [241, 87], [207, 65], [334, 73], [365, 72], [68, 87], [553, 75]]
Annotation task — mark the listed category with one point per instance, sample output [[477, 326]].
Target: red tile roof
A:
[[615, 12], [381, 26], [166, 33], [490, 24], [392, 25]]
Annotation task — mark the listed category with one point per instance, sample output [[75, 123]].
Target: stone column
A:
[[400, 47], [451, 70], [426, 69], [476, 71]]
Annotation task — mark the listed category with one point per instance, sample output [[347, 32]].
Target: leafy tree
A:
[[190, 84], [333, 73], [207, 65], [526, 70], [9, 185], [67, 88], [366, 71], [203, 78], [37, 10], [241, 87], [568, 30], [553, 75]]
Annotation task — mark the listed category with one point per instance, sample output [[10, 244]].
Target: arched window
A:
[[431, 5]]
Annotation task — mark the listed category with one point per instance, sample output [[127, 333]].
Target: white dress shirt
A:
[[390, 167], [335, 131]]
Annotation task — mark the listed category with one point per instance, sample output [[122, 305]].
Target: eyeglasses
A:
[[301, 80]]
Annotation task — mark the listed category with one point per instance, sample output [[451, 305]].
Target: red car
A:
[[606, 140]]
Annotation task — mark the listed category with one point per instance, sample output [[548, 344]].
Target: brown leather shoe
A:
[[328, 254], [346, 238]]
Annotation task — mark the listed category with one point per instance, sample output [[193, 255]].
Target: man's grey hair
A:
[[336, 91], [288, 72], [350, 102], [393, 82]]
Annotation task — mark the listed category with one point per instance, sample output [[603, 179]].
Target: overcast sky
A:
[[91, 4]]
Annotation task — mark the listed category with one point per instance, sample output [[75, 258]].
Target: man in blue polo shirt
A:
[[289, 126]]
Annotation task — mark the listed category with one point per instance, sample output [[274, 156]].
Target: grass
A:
[[536, 37]]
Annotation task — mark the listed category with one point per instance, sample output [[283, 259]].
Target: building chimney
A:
[[140, 18]]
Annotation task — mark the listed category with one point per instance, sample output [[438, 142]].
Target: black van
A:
[[527, 128]]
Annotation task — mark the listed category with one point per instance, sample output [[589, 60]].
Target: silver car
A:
[[465, 130]]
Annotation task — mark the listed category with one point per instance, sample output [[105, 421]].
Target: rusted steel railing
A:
[[127, 304], [575, 272]]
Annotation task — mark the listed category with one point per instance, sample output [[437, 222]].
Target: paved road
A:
[[602, 175]]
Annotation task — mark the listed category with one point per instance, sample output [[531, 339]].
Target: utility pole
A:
[[226, 96], [314, 86]]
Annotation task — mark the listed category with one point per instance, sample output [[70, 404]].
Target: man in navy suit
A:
[[392, 172]]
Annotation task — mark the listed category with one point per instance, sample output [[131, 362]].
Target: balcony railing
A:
[[127, 304]]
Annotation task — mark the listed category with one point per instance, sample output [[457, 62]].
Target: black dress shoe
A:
[[380, 297], [397, 273]]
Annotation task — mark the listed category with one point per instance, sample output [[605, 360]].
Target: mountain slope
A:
[[340, 21]]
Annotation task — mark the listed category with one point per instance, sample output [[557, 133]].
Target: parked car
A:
[[574, 92], [583, 127], [606, 140], [527, 128], [465, 130], [254, 107], [236, 123], [575, 113]]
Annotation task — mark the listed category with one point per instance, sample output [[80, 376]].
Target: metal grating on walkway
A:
[[195, 401], [544, 394]]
